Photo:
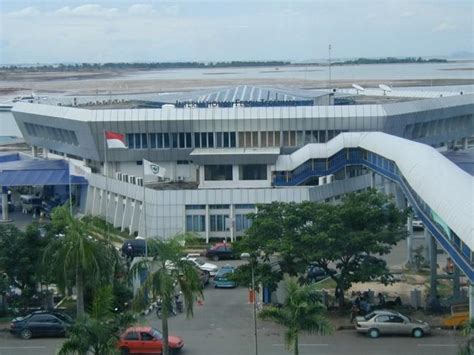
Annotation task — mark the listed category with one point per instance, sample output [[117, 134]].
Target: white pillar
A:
[[464, 143], [232, 222], [5, 204], [426, 235], [208, 223], [118, 216]]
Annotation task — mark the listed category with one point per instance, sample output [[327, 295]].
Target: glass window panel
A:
[[138, 140], [219, 139], [197, 140], [210, 140], [166, 140], [159, 140], [204, 140], [182, 143], [254, 139], [174, 140], [232, 139], [131, 140], [226, 139], [152, 140], [188, 140], [144, 141]]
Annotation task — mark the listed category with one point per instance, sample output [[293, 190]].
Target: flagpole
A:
[[106, 173]]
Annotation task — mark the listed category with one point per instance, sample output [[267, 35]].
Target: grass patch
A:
[[325, 284]]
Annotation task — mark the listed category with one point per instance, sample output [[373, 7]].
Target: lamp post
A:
[[246, 256]]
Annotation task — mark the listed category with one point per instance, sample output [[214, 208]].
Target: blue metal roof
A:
[[31, 172]]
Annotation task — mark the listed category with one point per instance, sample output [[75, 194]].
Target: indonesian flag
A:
[[115, 140]]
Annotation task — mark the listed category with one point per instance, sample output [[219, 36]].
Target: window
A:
[[196, 223], [232, 140], [144, 141], [174, 140], [132, 336], [188, 140], [138, 143], [182, 143], [195, 207], [396, 319], [242, 222], [152, 140], [197, 140], [146, 336], [204, 140], [217, 172], [219, 139], [159, 140], [218, 207], [130, 141], [166, 140], [226, 139], [210, 140], [253, 172], [218, 222]]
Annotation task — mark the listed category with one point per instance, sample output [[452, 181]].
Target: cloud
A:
[[141, 9], [444, 27], [87, 10], [26, 12]]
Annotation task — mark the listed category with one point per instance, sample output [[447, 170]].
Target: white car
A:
[[211, 268]]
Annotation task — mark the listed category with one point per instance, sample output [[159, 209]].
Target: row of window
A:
[[197, 223], [432, 128], [225, 172], [51, 133], [227, 139], [220, 207]]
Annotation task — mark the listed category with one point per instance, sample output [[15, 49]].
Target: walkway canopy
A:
[[17, 169]]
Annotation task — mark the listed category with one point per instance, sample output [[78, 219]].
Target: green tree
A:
[[98, 331], [20, 255], [349, 237], [301, 312], [468, 347], [75, 256], [165, 273]]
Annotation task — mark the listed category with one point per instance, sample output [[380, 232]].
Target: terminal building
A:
[[225, 151]]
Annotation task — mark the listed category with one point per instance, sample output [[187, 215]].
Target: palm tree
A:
[[301, 312], [98, 332], [165, 273], [75, 254]]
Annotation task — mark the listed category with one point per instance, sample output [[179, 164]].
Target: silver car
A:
[[390, 322]]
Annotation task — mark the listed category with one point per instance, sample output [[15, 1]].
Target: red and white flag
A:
[[115, 140]]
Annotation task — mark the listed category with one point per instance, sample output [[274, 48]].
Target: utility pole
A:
[[329, 67]]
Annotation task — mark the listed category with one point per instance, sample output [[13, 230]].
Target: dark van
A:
[[134, 247]]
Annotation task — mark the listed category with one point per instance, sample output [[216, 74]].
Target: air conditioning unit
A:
[[132, 179], [330, 178], [118, 176], [124, 177], [139, 181]]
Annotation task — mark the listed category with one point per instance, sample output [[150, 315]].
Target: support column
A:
[[208, 223], [471, 301], [433, 267], [456, 283], [34, 151], [426, 235], [372, 179], [5, 204], [409, 260], [464, 143], [232, 222]]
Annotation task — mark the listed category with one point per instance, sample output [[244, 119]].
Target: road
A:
[[224, 325]]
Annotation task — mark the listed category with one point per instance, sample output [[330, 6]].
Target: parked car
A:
[[41, 323], [204, 275], [201, 264], [134, 247], [315, 273], [140, 340], [222, 277], [29, 203], [390, 322], [220, 251]]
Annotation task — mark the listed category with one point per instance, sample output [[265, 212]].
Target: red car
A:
[[146, 340]]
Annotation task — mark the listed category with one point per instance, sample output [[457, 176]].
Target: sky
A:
[[63, 31]]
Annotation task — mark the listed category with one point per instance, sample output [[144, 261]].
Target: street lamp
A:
[[246, 256]]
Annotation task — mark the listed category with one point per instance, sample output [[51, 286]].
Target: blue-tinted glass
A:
[[188, 140], [232, 139], [159, 140], [197, 140], [152, 140], [210, 140], [166, 140], [130, 140], [174, 140], [204, 140], [219, 139], [144, 141], [181, 140], [138, 143]]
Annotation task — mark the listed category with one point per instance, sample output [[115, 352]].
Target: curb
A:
[[437, 326]]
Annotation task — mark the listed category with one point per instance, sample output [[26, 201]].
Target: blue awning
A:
[[33, 172]]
